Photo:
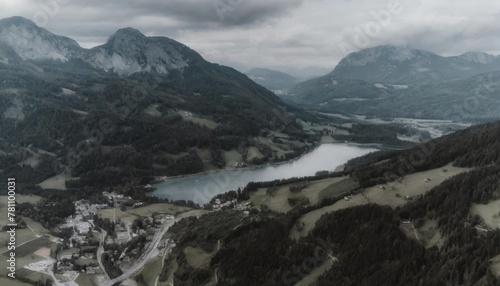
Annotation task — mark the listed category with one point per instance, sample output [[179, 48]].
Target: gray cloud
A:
[[285, 34]]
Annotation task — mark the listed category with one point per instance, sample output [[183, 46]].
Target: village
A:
[[97, 246], [101, 241]]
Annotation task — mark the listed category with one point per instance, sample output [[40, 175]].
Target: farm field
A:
[[25, 254], [392, 194], [315, 192], [147, 211]]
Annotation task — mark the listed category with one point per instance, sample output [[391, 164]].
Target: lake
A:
[[201, 188]]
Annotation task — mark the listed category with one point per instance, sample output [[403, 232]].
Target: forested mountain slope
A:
[[130, 109], [366, 244], [390, 82]]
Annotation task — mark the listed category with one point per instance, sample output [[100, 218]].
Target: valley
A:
[[139, 162]]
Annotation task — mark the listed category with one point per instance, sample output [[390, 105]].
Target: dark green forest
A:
[[366, 242]]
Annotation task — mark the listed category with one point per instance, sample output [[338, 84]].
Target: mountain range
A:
[[145, 106], [126, 52], [388, 81]]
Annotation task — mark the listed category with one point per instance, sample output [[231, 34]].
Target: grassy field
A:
[[278, 202], [206, 158], [12, 282], [162, 208], [308, 220], [151, 271], [314, 192], [253, 153], [490, 213], [192, 213], [110, 213], [86, 280], [19, 199], [197, 258], [171, 270], [22, 235], [32, 246], [231, 158], [57, 182], [32, 275], [412, 185], [393, 195]]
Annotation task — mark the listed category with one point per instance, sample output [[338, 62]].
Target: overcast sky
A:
[[281, 34]]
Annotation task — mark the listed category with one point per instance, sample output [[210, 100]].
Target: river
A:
[[200, 188]]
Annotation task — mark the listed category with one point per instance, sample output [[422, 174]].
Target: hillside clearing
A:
[[490, 213], [57, 182], [197, 258], [392, 194], [430, 234]]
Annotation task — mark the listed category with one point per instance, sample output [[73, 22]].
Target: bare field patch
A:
[[490, 213]]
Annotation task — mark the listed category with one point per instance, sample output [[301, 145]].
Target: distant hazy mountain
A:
[[276, 81], [397, 65], [393, 81], [308, 72]]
